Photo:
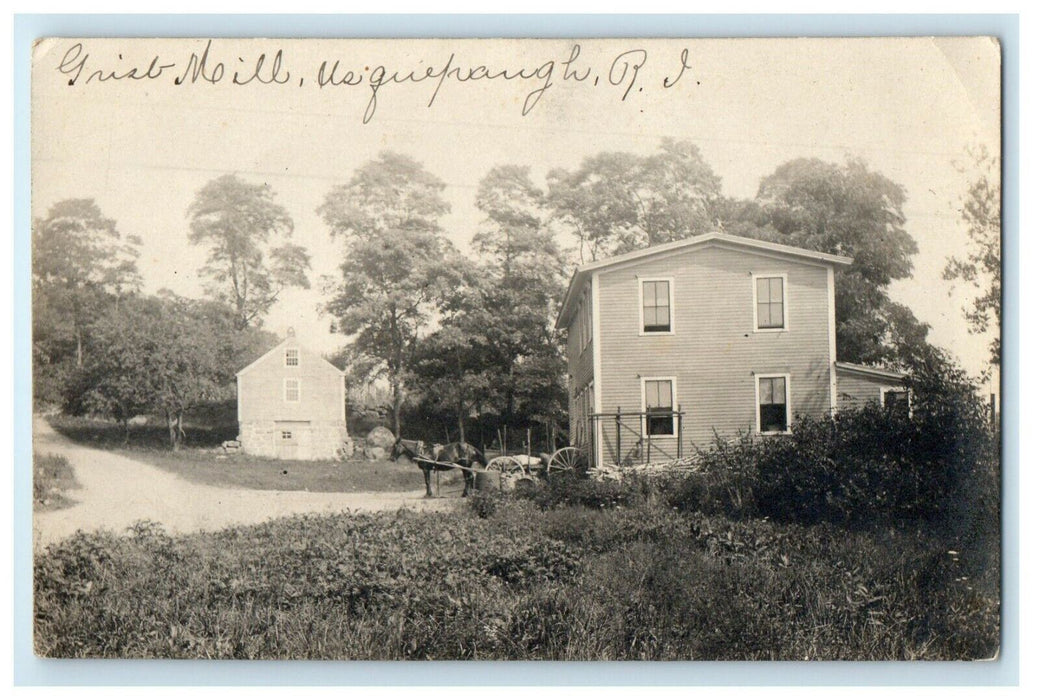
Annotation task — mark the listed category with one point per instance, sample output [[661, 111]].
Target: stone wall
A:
[[314, 440]]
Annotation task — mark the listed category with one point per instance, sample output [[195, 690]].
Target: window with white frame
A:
[[659, 399], [655, 306], [896, 399], [292, 357], [774, 407], [770, 302], [292, 390]]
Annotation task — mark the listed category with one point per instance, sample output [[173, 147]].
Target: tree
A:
[[511, 311], [847, 210], [451, 373], [237, 220], [80, 262], [397, 264], [980, 210], [618, 202], [162, 354]]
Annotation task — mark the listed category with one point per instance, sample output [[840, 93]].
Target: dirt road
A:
[[117, 491]]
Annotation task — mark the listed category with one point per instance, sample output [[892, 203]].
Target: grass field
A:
[[53, 478], [201, 461], [638, 582]]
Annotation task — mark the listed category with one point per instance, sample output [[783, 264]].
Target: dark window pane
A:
[[773, 417], [897, 400], [659, 425]]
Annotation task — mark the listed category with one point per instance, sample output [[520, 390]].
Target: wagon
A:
[[521, 470]]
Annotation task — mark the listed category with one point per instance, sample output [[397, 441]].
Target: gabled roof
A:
[[723, 240], [868, 371], [281, 345]]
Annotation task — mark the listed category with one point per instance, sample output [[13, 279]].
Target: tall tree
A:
[[237, 220], [511, 312], [980, 210], [162, 354], [847, 210], [80, 265], [618, 202], [397, 264]]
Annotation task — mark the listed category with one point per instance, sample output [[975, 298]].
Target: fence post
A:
[[594, 461], [649, 438], [678, 447], [617, 430]]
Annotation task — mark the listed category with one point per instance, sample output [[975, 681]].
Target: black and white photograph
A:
[[517, 349]]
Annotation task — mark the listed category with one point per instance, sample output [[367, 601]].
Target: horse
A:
[[461, 454]]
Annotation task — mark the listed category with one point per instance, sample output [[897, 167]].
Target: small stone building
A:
[[292, 404]]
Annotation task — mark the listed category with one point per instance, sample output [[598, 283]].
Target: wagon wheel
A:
[[507, 465], [566, 459], [509, 469]]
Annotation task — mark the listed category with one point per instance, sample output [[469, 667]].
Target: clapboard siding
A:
[[261, 389], [579, 360], [313, 427], [856, 390], [714, 352]]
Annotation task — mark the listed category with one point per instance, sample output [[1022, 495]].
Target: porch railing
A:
[[617, 428]]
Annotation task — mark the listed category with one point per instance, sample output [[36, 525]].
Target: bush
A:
[[576, 583], [52, 478], [864, 467], [724, 484], [574, 489]]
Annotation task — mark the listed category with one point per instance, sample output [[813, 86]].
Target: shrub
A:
[[644, 582], [573, 489], [724, 484], [865, 466], [52, 478]]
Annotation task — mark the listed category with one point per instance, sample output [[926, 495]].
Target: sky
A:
[[142, 146]]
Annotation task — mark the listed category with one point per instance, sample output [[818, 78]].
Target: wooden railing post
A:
[[678, 450], [617, 430]]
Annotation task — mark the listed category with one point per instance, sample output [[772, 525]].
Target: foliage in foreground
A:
[[640, 582], [867, 467], [52, 478]]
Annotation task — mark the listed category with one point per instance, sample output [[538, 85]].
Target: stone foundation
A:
[[309, 441]]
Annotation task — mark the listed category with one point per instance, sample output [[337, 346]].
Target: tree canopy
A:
[[980, 210], [80, 264], [164, 355], [617, 202], [237, 220], [397, 264], [844, 210]]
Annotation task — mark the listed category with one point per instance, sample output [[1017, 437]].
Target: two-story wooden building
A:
[[291, 404], [732, 333]]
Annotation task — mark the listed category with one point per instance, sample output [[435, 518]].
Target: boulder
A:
[[375, 453], [380, 437]]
